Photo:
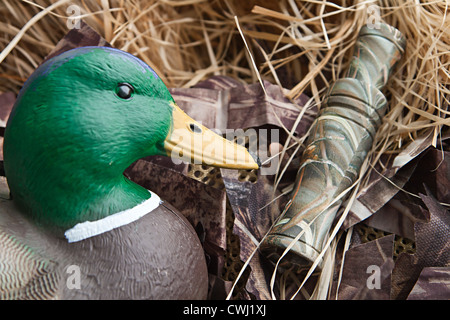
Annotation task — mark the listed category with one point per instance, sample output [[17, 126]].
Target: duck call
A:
[[339, 141]]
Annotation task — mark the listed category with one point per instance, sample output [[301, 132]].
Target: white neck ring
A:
[[87, 229]]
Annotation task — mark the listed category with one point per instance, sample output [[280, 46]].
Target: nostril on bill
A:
[[195, 128]]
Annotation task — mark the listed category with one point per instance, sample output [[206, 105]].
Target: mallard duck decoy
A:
[[76, 228]]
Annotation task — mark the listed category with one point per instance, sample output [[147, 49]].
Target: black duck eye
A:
[[124, 90]]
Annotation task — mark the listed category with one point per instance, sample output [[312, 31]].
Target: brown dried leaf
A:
[[374, 196], [401, 213], [367, 271], [219, 288], [398, 216], [433, 284], [254, 214], [382, 187], [82, 37], [224, 103], [383, 205], [432, 248]]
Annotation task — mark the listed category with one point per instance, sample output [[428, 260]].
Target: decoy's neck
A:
[[59, 199]]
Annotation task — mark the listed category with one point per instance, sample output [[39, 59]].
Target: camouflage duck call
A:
[[339, 141]]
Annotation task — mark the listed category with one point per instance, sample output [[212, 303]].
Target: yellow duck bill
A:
[[192, 142]]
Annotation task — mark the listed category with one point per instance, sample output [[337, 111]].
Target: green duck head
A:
[[81, 119]]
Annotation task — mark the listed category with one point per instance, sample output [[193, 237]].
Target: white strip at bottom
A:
[[87, 229]]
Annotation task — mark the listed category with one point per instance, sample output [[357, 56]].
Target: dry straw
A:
[[300, 45]]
